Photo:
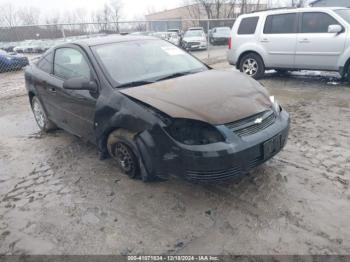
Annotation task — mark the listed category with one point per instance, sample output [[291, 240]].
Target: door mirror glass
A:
[[80, 83], [334, 29]]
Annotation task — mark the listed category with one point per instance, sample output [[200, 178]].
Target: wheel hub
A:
[[250, 67], [125, 158], [39, 114]]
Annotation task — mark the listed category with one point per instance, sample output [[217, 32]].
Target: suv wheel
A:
[[44, 123], [252, 65]]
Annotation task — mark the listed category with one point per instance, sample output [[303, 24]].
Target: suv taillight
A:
[[230, 43]]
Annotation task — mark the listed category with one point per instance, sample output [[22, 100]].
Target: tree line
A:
[[111, 12]]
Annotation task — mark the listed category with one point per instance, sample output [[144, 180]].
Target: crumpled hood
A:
[[215, 97]]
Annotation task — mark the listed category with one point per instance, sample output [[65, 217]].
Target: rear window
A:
[[248, 25], [281, 24]]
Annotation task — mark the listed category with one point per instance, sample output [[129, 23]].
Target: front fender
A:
[[118, 111]]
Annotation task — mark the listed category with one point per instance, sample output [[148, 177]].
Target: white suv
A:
[[291, 39]]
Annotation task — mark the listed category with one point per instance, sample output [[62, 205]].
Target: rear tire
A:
[[44, 123], [251, 64]]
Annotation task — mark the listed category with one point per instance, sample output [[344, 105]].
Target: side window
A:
[[46, 63], [248, 25], [281, 24], [316, 22], [70, 63]]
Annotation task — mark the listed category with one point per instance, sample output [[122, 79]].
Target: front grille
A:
[[213, 175], [247, 126], [190, 44], [224, 174]]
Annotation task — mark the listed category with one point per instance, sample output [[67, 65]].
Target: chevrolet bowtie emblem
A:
[[258, 120]]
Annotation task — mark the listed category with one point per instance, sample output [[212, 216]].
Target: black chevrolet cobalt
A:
[[155, 109]]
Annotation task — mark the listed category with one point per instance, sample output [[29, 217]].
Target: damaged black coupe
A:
[[155, 109]]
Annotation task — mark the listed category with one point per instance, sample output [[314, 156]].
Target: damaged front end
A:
[[198, 151]]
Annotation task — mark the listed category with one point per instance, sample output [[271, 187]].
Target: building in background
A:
[[321, 3], [178, 18]]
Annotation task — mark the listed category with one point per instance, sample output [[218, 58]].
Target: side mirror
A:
[[80, 83], [336, 29]]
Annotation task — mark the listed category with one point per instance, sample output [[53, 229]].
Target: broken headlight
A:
[[193, 132]]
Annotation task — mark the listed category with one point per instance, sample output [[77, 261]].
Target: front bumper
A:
[[222, 40], [165, 157], [192, 46]]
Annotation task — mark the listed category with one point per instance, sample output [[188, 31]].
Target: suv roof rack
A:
[[271, 9]]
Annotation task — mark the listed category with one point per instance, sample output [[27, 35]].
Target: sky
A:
[[131, 8]]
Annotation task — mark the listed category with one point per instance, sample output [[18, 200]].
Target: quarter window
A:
[[317, 22], [248, 25], [281, 24], [45, 63], [70, 63]]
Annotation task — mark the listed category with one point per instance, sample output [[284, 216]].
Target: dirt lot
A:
[[56, 196]]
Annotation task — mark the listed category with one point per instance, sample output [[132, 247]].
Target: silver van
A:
[[291, 39]]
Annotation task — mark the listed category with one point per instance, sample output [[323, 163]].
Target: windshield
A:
[[345, 14], [145, 60], [192, 33]]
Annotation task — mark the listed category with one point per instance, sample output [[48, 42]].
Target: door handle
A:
[[304, 40], [264, 40]]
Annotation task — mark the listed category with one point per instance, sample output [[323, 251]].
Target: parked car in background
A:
[[292, 39], [144, 102], [161, 35], [179, 32], [174, 38], [144, 33], [195, 39], [8, 46], [219, 35], [10, 62]]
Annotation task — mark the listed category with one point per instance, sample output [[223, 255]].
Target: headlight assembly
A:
[[275, 104], [193, 132]]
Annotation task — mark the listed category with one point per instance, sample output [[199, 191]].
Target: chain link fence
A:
[[206, 39]]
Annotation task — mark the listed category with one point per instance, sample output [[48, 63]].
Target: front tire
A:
[[252, 65], [122, 148], [44, 123]]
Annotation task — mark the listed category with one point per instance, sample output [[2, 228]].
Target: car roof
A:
[[289, 10], [101, 40]]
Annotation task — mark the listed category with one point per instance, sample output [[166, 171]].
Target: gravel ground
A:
[[56, 197]]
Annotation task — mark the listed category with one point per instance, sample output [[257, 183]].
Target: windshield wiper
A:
[[135, 83], [175, 75]]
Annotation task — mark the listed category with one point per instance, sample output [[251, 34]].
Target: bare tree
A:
[[213, 8], [53, 18], [29, 15], [9, 15], [115, 7]]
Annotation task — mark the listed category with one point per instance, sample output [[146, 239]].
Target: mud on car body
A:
[[155, 109]]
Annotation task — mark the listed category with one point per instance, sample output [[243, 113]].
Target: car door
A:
[[42, 79], [316, 48], [279, 39], [77, 107]]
